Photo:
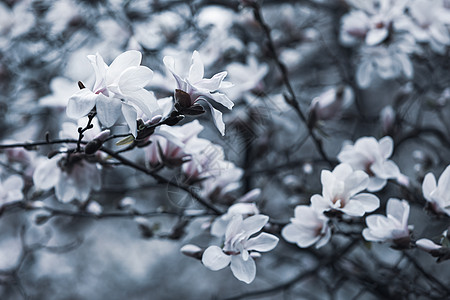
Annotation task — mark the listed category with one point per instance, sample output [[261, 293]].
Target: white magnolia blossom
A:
[[11, 190], [340, 191], [247, 77], [219, 226], [308, 227], [393, 226], [371, 156], [118, 90], [71, 176], [371, 21], [199, 88], [438, 195], [331, 103], [427, 23], [385, 62], [238, 245]]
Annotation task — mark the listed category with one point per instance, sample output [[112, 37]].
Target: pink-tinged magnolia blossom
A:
[[392, 227], [340, 191], [330, 104], [238, 245], [371, 21], [308, 227], [71, 176], [194, 87], [371, 156], [169, 143], [11, 190], [219, 226], [118, 90], [438, 195]]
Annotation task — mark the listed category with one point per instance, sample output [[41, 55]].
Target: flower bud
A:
[[427, 245], [387, 117], [192, 251], [94, 208]]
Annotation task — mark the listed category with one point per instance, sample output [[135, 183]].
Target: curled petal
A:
[[263, 242], [81, 103], [214, 259]]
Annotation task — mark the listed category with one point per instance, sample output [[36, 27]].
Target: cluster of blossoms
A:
[[387, 32], [365, 165], [119, 95]]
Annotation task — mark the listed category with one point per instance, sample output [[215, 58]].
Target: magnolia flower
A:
[[194, 87], [71, 176], [340, 190], [219, 226], [427, 23], [371, 22], [385, 62], [308, 227], [438, 195], [11, 190], [247, 76], [371, 156], [117, 89], [330, 104], [392, 227], [169, 143], [238, 245]]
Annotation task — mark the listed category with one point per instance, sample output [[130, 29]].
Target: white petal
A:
[[135, 78], [397, 208], [263, 242], [108, 110], [65, 189], [81, 103], [169, 62], [222, 99], [130, 115], [212, 84], [243, 270], [364, 74], [368, 236], [100, 68], [376, 184], [444, 179], [319, 203], [254, 224], [386, 146], [369, 202], [196, 72], [324, 240], [217, 118], [214, 259], [219, 226], [125, 60], [145, 101], [47, 173], [356, 182], [13, 182], [427, 245], [376, 36], [354, 209]]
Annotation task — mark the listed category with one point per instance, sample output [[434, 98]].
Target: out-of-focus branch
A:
[[290, 99]]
